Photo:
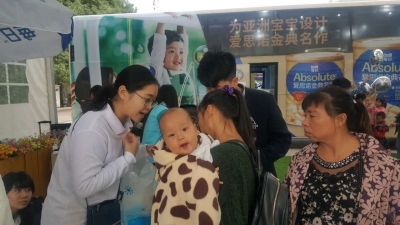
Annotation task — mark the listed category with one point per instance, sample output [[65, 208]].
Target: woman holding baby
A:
[[224, 116], [206, 179]]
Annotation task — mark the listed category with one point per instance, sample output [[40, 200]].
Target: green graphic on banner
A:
[[171, 47]]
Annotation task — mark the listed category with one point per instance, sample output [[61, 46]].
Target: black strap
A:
[[256, 165], [73, 127]]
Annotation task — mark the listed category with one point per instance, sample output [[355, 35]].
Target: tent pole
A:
[[51, 92]]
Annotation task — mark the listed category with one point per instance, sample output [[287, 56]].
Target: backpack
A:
[[272, 198]]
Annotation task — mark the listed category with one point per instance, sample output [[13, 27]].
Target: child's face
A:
[[179, 132], [378, 103], [174, 56], [379, 119]]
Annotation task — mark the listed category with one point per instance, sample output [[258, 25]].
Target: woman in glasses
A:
[[84, 187]]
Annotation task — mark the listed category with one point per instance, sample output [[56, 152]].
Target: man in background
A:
[[273, 139]]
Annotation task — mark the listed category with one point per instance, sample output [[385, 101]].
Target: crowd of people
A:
[[205, 177]]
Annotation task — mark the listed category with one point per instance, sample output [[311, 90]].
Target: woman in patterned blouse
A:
[[343, 177]]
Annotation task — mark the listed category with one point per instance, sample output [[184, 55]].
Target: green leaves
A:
[[86, 7]]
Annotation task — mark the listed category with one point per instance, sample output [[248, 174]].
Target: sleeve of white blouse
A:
[[5, 211], [89, 173]]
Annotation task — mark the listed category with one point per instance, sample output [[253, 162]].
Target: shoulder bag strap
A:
[[256, 166]]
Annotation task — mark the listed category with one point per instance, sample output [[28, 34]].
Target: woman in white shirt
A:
[[98, 151], [5, 210]]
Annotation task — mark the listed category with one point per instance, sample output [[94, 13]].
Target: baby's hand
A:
[[190, 17], [217, 170], [150, 149], [173, 14]]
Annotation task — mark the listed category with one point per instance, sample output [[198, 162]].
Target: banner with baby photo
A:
[[169, 44]]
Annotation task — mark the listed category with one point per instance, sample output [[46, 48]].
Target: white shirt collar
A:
[[114, 122]]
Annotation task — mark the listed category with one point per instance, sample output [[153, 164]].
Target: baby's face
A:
[[179, 133], [174, 56]]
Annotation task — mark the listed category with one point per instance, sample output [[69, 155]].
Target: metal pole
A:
[[51, 92]]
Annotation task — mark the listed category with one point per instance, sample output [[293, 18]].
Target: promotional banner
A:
[[170, 45], [307, 72], [278, 32], [308, 47], [390, 67]]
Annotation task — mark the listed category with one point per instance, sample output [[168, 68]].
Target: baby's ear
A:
[[199, 139]]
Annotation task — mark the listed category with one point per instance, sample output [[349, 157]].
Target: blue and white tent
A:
[[33, 29]]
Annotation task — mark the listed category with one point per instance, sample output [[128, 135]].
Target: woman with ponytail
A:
[[224, 116], [343, 177], [98, 151]]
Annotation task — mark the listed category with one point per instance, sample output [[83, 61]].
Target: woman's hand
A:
[[131, 143]]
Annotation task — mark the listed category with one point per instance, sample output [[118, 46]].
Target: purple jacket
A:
[[379, 199]]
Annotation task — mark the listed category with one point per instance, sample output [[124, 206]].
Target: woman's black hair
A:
[[336, 101], [360, 97], [168, 95], [82, 85], [342, 83], [382, 101], [134, 78], [18, 180], [232, 107], [95, 89], [21, 180]]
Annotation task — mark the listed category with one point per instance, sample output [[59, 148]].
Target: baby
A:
[[168, 58], [181, 136], [189, 185]]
